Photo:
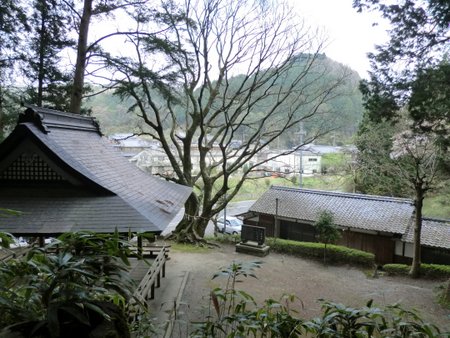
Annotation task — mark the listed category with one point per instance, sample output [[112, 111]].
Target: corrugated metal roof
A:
[[375, 213], [435, 233], [80, 146]]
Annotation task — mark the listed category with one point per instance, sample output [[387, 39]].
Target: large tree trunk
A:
[[187, 230], [80, 66], [192, 227], [418, 203], [41, 68]]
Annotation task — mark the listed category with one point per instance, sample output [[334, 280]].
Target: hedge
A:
[[334, 253], [426, 270]]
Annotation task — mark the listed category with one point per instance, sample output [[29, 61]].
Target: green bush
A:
[[396, 269], [335, 253], [426, 270], [224, 238]]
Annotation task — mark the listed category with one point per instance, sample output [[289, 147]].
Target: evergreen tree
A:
[[86, 49], [13, 24], [48, 80], [327, 231], [410, 73]]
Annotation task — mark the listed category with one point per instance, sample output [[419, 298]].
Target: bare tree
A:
[[221, 71]]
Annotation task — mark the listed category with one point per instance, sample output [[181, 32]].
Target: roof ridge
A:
[[46, 118], [344, 194]]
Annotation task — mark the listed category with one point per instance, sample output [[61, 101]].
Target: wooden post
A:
[[152, 291], [276, 229], [164, 269], [139, 244]]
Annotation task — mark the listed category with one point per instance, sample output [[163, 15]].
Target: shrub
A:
[[335, 253], [81, 287], [396, 269], [327, 231], [426, 270], [224, 238]]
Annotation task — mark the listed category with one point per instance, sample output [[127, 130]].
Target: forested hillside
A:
[[114, 117]]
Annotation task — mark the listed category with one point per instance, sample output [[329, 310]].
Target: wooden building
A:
[[370, 223], [58, 171], [434, 240]]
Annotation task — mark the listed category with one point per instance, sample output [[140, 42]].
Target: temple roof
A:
[[58, 170]]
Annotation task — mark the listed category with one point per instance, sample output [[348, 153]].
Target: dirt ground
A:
[[308, 280]]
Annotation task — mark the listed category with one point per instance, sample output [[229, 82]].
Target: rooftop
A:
[[367, 212], [435, 233], [74, 179]]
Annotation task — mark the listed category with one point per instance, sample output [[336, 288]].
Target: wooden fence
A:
[[7, 254], [152, 279]]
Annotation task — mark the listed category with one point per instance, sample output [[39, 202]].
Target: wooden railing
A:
[[7, 254], [152, 279]]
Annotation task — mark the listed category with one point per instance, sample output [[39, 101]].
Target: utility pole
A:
[[225, 216], [300, 169], [276, 228]]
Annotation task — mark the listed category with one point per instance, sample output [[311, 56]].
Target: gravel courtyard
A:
[[307, 279]]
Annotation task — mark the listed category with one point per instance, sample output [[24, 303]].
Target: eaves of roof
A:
[[373, 213], [76, 145], [435, 233]]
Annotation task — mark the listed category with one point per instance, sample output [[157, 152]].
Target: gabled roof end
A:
[[45, 119]]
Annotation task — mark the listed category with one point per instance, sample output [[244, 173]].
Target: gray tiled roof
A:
[[145, 202], [435, 233], [53, 211], [367, 212]]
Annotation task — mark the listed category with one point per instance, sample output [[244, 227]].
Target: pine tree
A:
[[13, 24], [48, 80]]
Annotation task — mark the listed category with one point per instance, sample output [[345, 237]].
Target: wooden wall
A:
[[383, 247], [297, 231]]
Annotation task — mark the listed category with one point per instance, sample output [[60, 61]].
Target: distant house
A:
[[290, 163], [157, 162], [130, 144], [62, 175], [309, 158], [381, 225], [154, 161]]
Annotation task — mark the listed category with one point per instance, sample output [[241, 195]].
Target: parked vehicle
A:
[[233, 225], [13, 242]]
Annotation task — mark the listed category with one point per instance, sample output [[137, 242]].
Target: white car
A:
[[233, 225], [16, 242]]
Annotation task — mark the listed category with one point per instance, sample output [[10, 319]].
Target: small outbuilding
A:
[[434, 240], [370, 223], [58, 171]]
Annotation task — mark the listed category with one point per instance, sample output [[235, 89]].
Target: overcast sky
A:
[[351, 34]]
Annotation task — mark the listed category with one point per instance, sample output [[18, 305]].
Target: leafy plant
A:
[[235, 314], [339, 320], [73, 286]]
